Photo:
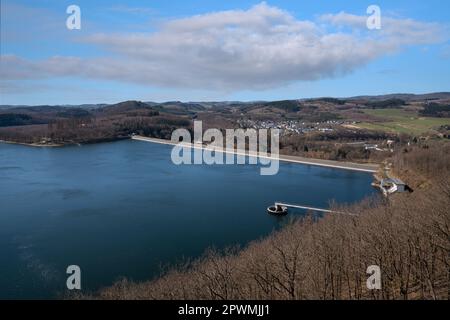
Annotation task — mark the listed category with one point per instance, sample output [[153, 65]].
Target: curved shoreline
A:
[[32, 144], [371, 168], [68, 144]]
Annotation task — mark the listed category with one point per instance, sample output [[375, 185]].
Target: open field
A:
[[402, 121]]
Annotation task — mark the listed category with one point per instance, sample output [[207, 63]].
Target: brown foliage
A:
[[96, 129]]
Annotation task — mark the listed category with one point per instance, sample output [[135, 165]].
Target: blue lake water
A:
[[123, 209]]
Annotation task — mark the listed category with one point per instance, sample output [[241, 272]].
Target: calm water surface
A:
[[124, 210]]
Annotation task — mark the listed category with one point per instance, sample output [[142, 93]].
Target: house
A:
[[392, 185], [45, 140], [390, 143], [368, 146]]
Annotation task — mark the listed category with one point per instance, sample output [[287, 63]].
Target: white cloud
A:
[[394, 31], [260, 48]]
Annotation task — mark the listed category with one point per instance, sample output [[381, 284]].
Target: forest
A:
[[436, 110], [48, 125]]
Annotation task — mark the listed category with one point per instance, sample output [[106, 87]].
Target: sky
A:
[[220, 50]]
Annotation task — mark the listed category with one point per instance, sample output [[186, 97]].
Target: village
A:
[[294, 126]]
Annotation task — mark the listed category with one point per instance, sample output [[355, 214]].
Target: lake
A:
[[123, 209]]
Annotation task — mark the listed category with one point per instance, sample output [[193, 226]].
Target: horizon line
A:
[[234, 101]]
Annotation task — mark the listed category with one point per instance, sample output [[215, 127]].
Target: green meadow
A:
[[402, 121]]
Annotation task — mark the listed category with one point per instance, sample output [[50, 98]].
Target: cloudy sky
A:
[[220, 50]]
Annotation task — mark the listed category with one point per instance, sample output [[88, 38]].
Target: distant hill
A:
[[81, 106], [178, 106], [126, 106], [36, 109], [406, 96]]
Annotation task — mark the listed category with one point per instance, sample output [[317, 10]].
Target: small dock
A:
[[287, 205]]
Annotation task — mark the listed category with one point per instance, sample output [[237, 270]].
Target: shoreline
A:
[[370, 168], [56, 145], [36, 145], [362, 167]]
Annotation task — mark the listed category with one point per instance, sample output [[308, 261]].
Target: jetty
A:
[[287, 205]]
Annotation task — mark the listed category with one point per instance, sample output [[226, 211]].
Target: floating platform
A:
[[282, 209], [277, 210]]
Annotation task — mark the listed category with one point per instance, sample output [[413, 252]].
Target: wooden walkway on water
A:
[[311, 208]]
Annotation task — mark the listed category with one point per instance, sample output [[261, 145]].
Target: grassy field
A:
[[401, 121]]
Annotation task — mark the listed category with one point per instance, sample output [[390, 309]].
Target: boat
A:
[[277, 210]]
